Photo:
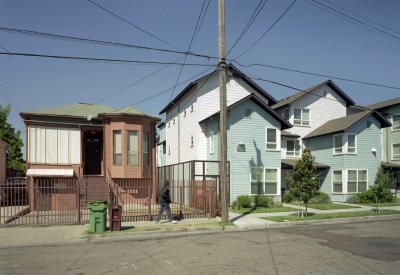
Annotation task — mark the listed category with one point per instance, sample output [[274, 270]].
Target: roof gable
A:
[[342, 124], [237, 73], [284, 124], [287, 101]]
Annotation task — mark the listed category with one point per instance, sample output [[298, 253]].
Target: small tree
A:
[[381, 187], [304, 180]]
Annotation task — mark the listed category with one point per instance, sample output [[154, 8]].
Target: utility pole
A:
[[222, 119]]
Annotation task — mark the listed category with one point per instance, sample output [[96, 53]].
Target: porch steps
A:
[[94, 188]]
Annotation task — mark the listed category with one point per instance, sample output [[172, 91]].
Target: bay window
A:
[[117, 147], [132, 152], [337, 181], [356, 181]]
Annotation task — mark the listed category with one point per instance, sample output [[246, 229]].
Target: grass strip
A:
[[331, 206], [292, 218], [271, 209]]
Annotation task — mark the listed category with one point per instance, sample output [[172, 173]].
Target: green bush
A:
[[320, 197], [388, 196], [366, 196], [235, 205], [261, 201], [288, 197], [277, 204], [244, 201], [352, 200]]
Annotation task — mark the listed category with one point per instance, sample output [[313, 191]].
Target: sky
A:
[[362, 45]]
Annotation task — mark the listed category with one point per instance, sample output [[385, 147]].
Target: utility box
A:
[[115, 212], [97, 216]]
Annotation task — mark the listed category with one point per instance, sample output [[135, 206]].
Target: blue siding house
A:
[[351, 147]]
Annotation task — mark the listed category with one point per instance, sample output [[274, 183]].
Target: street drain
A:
[[382, 244]]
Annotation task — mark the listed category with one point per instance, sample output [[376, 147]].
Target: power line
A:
[[249, 23], [6, 50], [380, 33], [334, 77], [300, 90], [267, 30], [134, 25], [362, 17], [104, 59], [92, 41], [379, 10], [9, 100], [201, 22], [84, 52]]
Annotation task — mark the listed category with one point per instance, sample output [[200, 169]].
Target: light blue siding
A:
[[365, 159]]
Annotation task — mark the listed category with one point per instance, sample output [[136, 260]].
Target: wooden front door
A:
[[93, 157]]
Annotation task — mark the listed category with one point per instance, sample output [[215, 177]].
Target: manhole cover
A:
[[382, 244]]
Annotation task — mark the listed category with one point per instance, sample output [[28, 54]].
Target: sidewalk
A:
[[48, 235]]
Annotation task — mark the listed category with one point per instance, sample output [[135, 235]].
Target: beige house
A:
[[3, 160]]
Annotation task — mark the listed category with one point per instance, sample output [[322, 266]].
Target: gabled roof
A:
[[342, 124], [71, 110], [289, 163], [263, 105], [287, 101], [383, 104], [237, 73], [359, 108], [128, 111]]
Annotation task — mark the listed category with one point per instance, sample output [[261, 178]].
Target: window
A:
[[396, 151], [145, 144], [169, 123], [356, 181], [351, 144], [286, 114], [397, 180], [132, 148], [191, 108], [337, 144], [301, 117], [247, 113], [368, 124], [337, 181], [264, 181], [396, 122], [173, 121], [293, 148], [211, 142], [184, 113], [271, 139], [117, 147], [169, 149], [191, 141]]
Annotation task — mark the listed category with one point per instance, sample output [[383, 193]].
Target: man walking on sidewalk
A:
[[164, 201]]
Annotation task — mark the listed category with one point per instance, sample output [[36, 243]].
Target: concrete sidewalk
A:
[[48, 235]]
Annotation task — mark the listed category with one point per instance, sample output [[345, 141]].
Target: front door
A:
[[93, 157]]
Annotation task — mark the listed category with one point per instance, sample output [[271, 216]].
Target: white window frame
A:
[[334, 145], [192, 107], [169, 149], [296, 154], [342, 181], [184, 113], [278, 139], [117, 151], [392, 121], [278, 181], [191, 141], [347, 144], [211, 140], [301, 119], [129, 148], [283, 114], [356, 181], [393, 158]]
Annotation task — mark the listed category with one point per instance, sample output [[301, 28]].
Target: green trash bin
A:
[[97, 216]]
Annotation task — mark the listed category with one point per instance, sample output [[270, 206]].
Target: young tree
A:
[[12, 137], [382, 184], [304, 180]]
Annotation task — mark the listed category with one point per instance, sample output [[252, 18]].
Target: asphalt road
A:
[[361, 248]]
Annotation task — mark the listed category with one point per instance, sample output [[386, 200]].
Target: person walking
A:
[[164, 201]]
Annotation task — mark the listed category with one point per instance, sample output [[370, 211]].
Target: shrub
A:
[[352, 200], [387, 196], [288, 197], [244, 201], [261, 201], [320, 197], [277, 204], [235, 205], [366, 196]]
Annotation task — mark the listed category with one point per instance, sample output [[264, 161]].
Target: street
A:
[[359, 248]]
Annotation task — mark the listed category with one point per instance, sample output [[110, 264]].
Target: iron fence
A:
[[61, 201]]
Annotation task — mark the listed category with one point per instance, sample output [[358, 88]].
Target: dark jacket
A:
[[164, 196]]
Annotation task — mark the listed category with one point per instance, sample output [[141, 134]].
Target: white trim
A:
[[392, 156], [50, 172], [301, 119], [392, 121], [278, 181], [346, 145], [278, 139]]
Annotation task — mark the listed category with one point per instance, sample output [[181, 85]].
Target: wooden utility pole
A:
[[222, 119]]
